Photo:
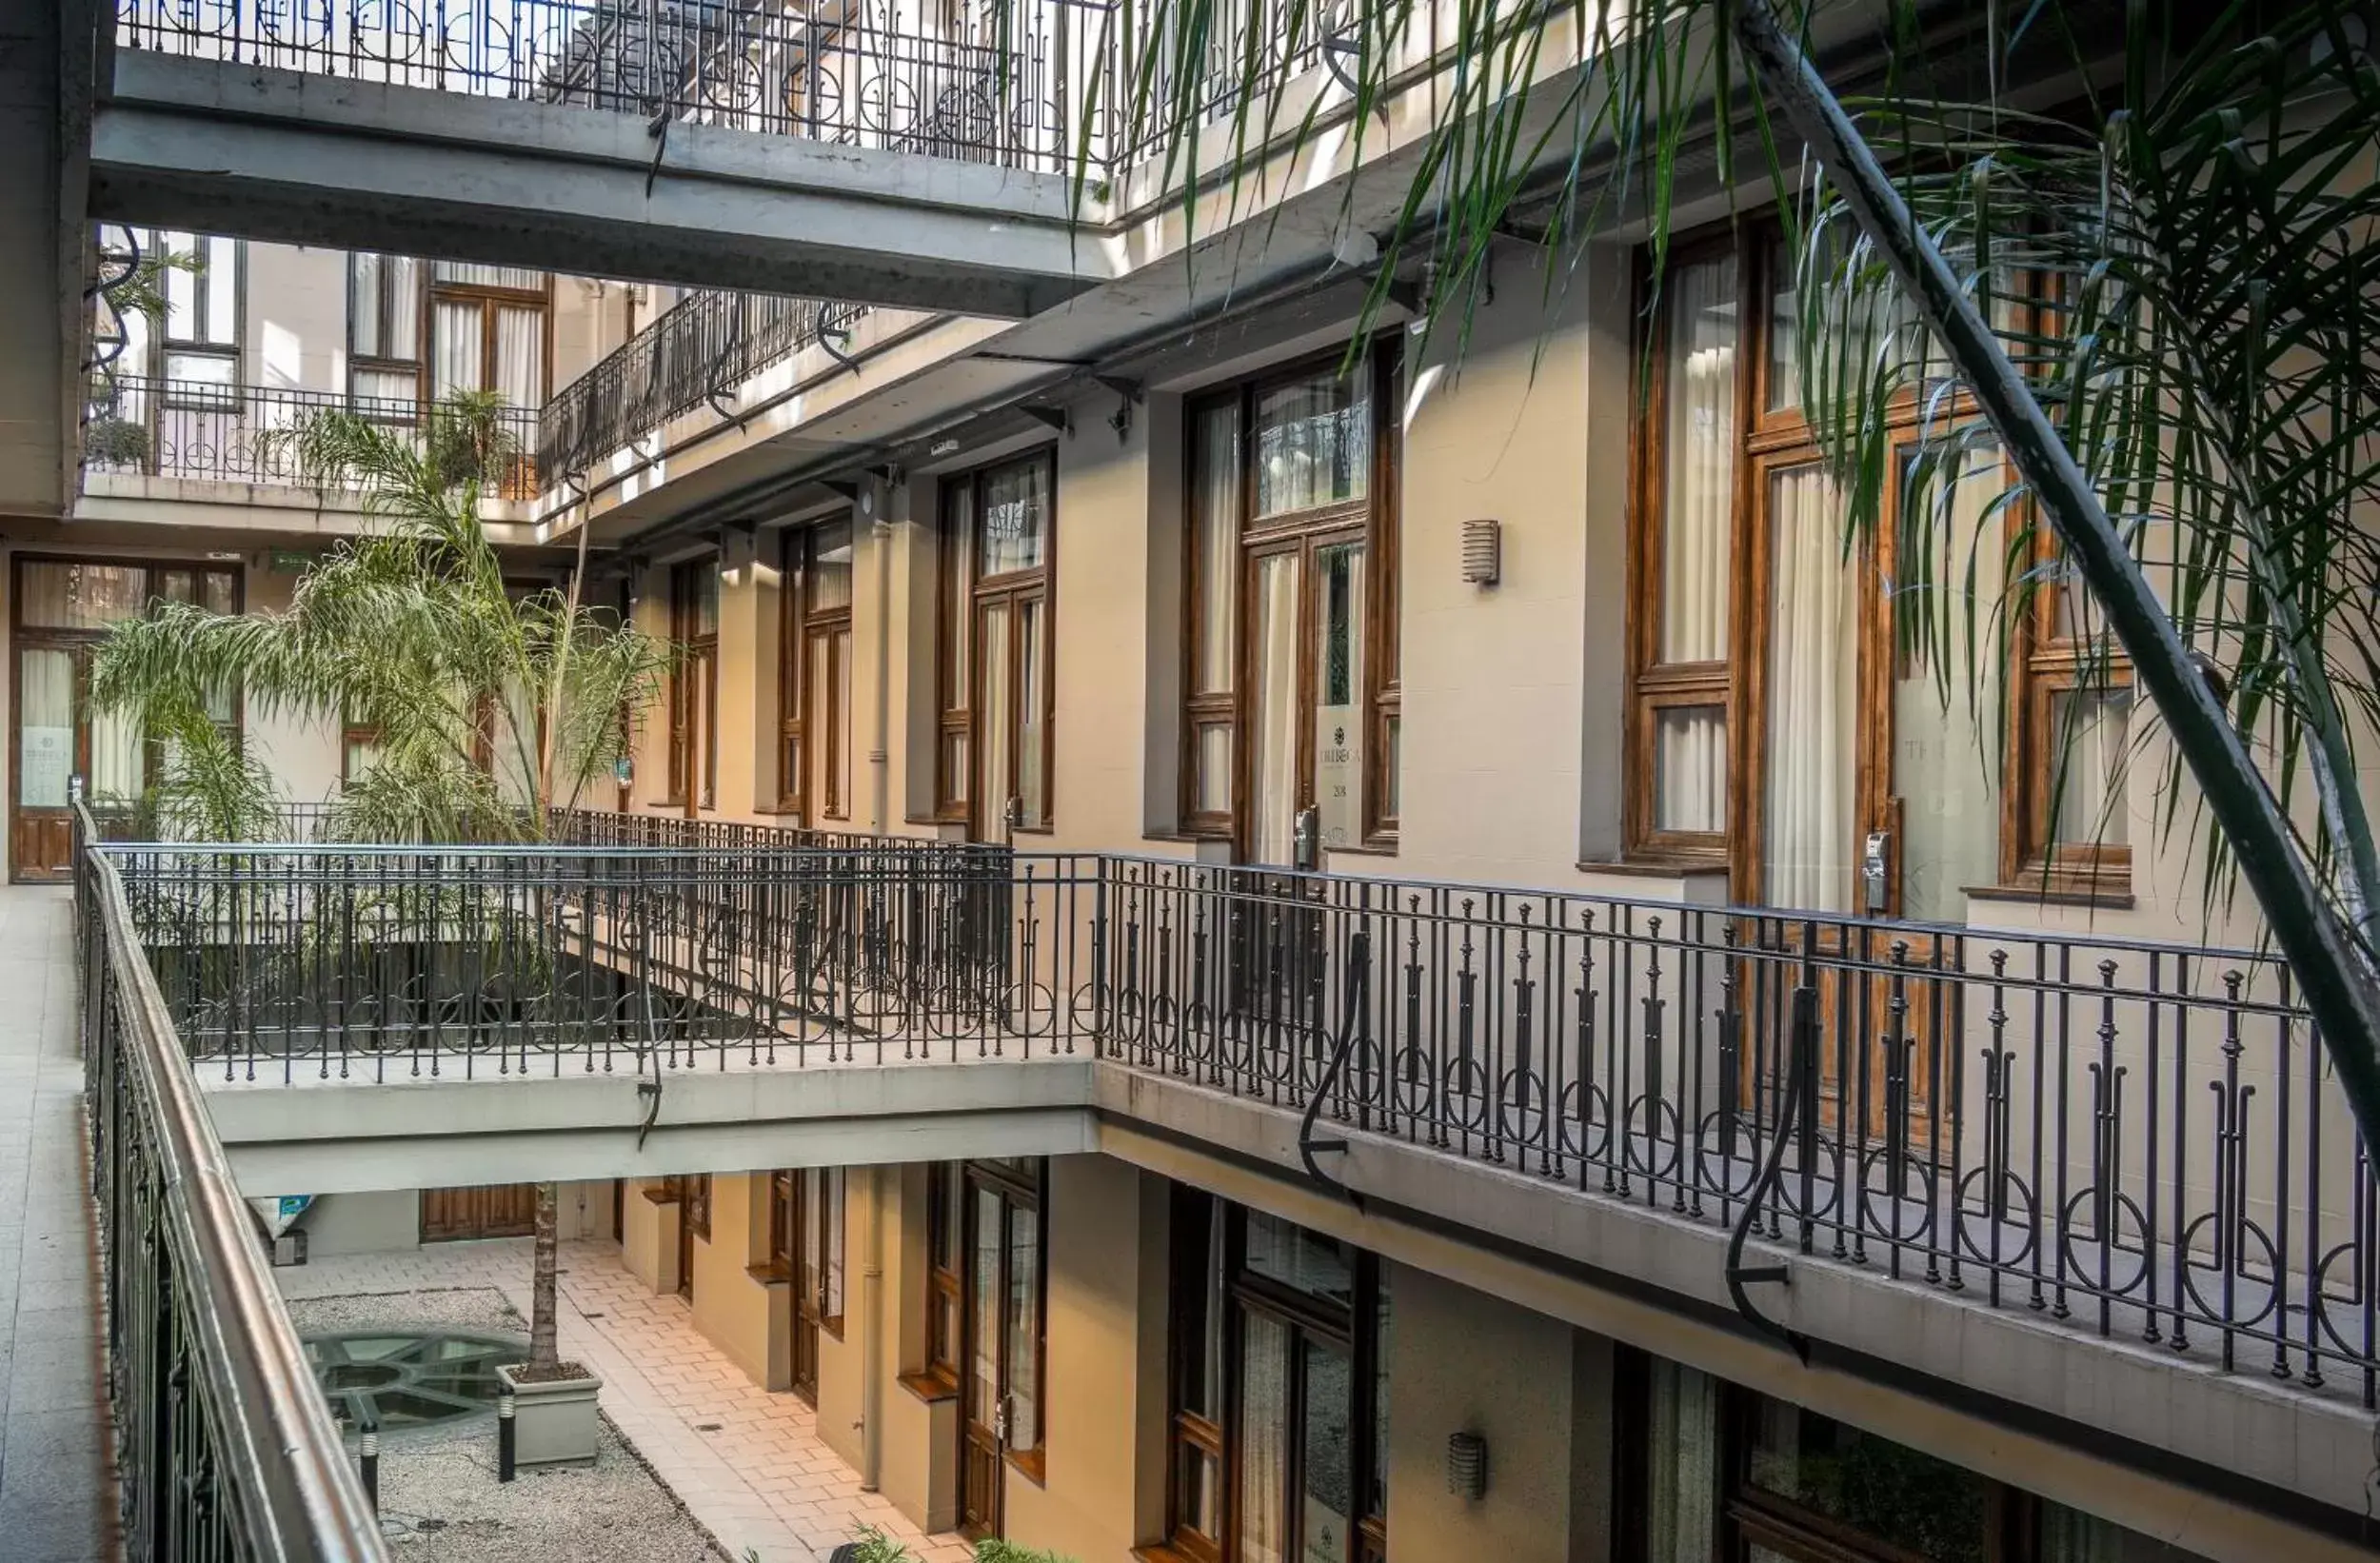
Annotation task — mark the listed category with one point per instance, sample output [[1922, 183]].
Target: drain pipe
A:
[[878, 754], [872, 1348]]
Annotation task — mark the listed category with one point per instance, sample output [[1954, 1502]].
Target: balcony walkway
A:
[[746, 1461], [56, 1490]]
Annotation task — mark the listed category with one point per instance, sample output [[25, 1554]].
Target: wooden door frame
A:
[[1013, 1193]]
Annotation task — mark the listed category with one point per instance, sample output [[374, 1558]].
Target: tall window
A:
[[1887, 669], [1280, 1377], [1001, 1347], [202, 324], [814, 673], [385, 302], [1291, 714], [694, 685], [995, 646], [487, 331], [806, 1243], [2072, 739]]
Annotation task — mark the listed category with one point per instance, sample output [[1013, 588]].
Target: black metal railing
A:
[[702, 350], [830, 76], [176, 428], [2139, 1138], [224, 1446]]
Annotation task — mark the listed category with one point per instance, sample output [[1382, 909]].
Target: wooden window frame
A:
[[957, 706], [388, 307], [1374, 519], [1350, 1328], [167, 346], [694, 676], [945, 1299], [1030, 1190], [800, 623], [1771, 439], [952, 684], [694, 1204]]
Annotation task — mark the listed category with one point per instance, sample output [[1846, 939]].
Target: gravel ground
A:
[[440, 1501]]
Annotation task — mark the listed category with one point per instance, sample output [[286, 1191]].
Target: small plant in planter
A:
[[993, 1550], [873, 1546], [115, 441], [553, 1411]]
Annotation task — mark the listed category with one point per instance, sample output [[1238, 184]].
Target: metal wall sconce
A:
[[1466, 1465], [1482, 552]]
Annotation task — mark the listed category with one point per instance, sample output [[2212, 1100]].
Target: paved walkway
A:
[[56, 1493], [749, 1463]]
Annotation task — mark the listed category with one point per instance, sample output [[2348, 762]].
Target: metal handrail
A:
[[272, 1480]]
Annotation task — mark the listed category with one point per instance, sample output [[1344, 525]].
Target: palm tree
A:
[[2207, 387], [493, 708]]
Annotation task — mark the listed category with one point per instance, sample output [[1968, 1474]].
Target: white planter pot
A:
[[553, 1423]]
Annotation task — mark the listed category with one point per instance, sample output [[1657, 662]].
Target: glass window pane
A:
[[1376, 1505], [1032, 783], [1263, 1443], [2089, 745], [210, 375], [184, 262], [457, 348], [1199, 1490], [1339, 725], [223, 292], [1698, 490], [45, 755], [386, 395], [1301, 1260], [983, 1349], [218, 591], [1326, 1509], [1689, 767], [1016, 517], [838, 691], [1814, 700], [830, 1202], [521, 355], [1216, 548], [119, 755], [1314, 442], [1024, 1328], [1945, 597], [830, 572], [1681, 1465], [56, 595], [363, 302], [1272, 709], [958, 585], [474, 275], [1392, 765], [993, 715], [401, 283], [1214, 769], [1885, 1491], [176, 587]]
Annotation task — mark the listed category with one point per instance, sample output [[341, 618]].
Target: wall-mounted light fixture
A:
[[1466, 1465], [1482, 552]]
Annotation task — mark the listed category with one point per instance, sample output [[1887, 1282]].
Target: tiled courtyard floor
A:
[[760, 1479], [56, 1493]]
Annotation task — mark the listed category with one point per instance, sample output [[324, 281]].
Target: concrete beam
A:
[[306, 158], [349, 1136]]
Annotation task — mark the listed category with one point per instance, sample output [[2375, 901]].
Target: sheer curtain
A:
[[1263, 1439], [1217, 546], [1698, 535], [1698, 498], [1273, 728], [1813, 698], [1682, 1466], [2090, 744], [521, 355], [455, 347]]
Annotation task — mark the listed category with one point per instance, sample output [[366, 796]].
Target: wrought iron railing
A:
[[224, 1445], [2138, 1138], [176, 428], [827, 74], [702, 350]]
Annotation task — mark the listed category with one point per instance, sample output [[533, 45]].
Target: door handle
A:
[[1000, 1422], [1873, 868], [1306, 838]]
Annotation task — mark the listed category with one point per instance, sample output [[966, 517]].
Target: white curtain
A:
[[1813, 698], [1274, 724], [1698, 497], [1031, 787], [993, 722], [45, 756], [521, 355], [455, 347], [1690, 769], [2089, 745], [1217, 546], [1682, 1466], [1263, 1440], [1338, 704]]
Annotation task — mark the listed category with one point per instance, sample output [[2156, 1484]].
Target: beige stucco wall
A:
[[921, 1429], [1538, 1391], [732, 1306], [840, 1387], [648, 1244]]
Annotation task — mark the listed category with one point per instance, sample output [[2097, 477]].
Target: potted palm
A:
[[493, 707]]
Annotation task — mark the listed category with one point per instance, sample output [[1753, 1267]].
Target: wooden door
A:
[[50, 730], [495, 1210], [1000, 1371], [804, 1243]]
